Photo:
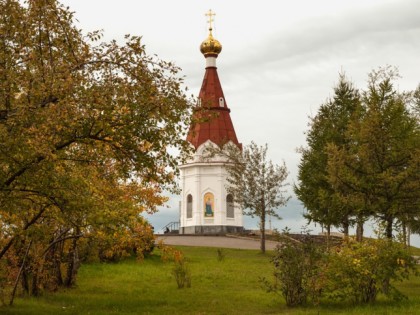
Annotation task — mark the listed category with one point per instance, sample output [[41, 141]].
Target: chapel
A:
[[206, 207]]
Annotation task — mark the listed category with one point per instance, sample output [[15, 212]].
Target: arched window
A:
[[230, 210], [189, 206]]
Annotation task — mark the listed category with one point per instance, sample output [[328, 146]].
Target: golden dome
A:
[[210, 46]]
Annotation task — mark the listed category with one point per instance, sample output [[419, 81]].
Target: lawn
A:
[[230, 286]]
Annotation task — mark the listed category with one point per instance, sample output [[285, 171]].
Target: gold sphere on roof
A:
[[210, 46]]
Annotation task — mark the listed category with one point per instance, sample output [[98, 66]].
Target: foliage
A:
[[181, 271], [360, 270], [379, 170], [255, 183], [327, 127], [352, 271], [299, 271], [362, 159], [119, 241], [85, 129]]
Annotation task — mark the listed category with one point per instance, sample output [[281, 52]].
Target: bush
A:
[[134, 239], [181, 271], [220, 254], [360, 270], [298, 271], [353, 271], [304, 271]]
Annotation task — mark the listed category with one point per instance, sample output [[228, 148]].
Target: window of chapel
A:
[[189, 206], [230, 209]]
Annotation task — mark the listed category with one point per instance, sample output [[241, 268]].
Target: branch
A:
[[35, 161], [20, 272], [60, 240]]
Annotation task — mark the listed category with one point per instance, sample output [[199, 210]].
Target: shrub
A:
[[354, 271], [298, 271], [134, 239], [181, 271], [220, 254], [360, 270]]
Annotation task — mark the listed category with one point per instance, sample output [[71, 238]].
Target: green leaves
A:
[[255, 182], [378, 164], [361, 159], [85, 128], [328, 128]]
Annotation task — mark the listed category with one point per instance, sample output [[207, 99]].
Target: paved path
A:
[[215, 241]]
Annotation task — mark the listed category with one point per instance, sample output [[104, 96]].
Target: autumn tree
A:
[[255, 183], [85, 128], [327, 127], [380, 167]]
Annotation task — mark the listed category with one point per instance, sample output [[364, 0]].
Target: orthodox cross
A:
[[210, 15]]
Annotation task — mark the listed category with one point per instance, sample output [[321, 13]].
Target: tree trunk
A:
[[19, 274], [57, 266], [328, 235], [404, 232], [388, 228], [35, 286], [73, 263], [25, 282], [359, 231], [346, 225], [262, 231], [408, 236]]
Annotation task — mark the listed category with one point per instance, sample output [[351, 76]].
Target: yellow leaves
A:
[[145, 146], [178, 256], [65, 94], [170, 253]]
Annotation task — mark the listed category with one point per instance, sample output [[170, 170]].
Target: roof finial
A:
[[211, 46], [210, 15]]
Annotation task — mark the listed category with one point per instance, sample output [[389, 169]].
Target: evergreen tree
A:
[[329, 126], [379, 168]]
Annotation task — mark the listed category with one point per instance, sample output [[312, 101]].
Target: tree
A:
[[85, 129], [255, 182], [327, 127], [379, 168]]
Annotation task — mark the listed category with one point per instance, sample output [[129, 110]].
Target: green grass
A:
[[230, 286], [414, 251]]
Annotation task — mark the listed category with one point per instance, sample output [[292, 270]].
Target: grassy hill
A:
[[230, 286]]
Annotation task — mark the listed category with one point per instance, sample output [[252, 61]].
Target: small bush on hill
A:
[[298, 271], [353, 271], [358, 271]]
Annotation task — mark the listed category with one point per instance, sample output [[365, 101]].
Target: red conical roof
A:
[[212, 117]]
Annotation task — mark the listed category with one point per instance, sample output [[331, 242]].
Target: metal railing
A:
[[171, 227]]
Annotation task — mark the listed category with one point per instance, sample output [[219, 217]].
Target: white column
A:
[[210, 62]]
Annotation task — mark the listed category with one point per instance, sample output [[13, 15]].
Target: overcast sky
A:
[[280, 59]]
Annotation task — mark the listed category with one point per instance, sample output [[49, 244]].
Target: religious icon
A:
[[208, 205]]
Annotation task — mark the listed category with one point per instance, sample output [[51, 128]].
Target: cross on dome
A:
[[210, 15], [210, 46], [213, 121]]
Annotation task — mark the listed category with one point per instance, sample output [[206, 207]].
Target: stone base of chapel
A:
[[210, 229]]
